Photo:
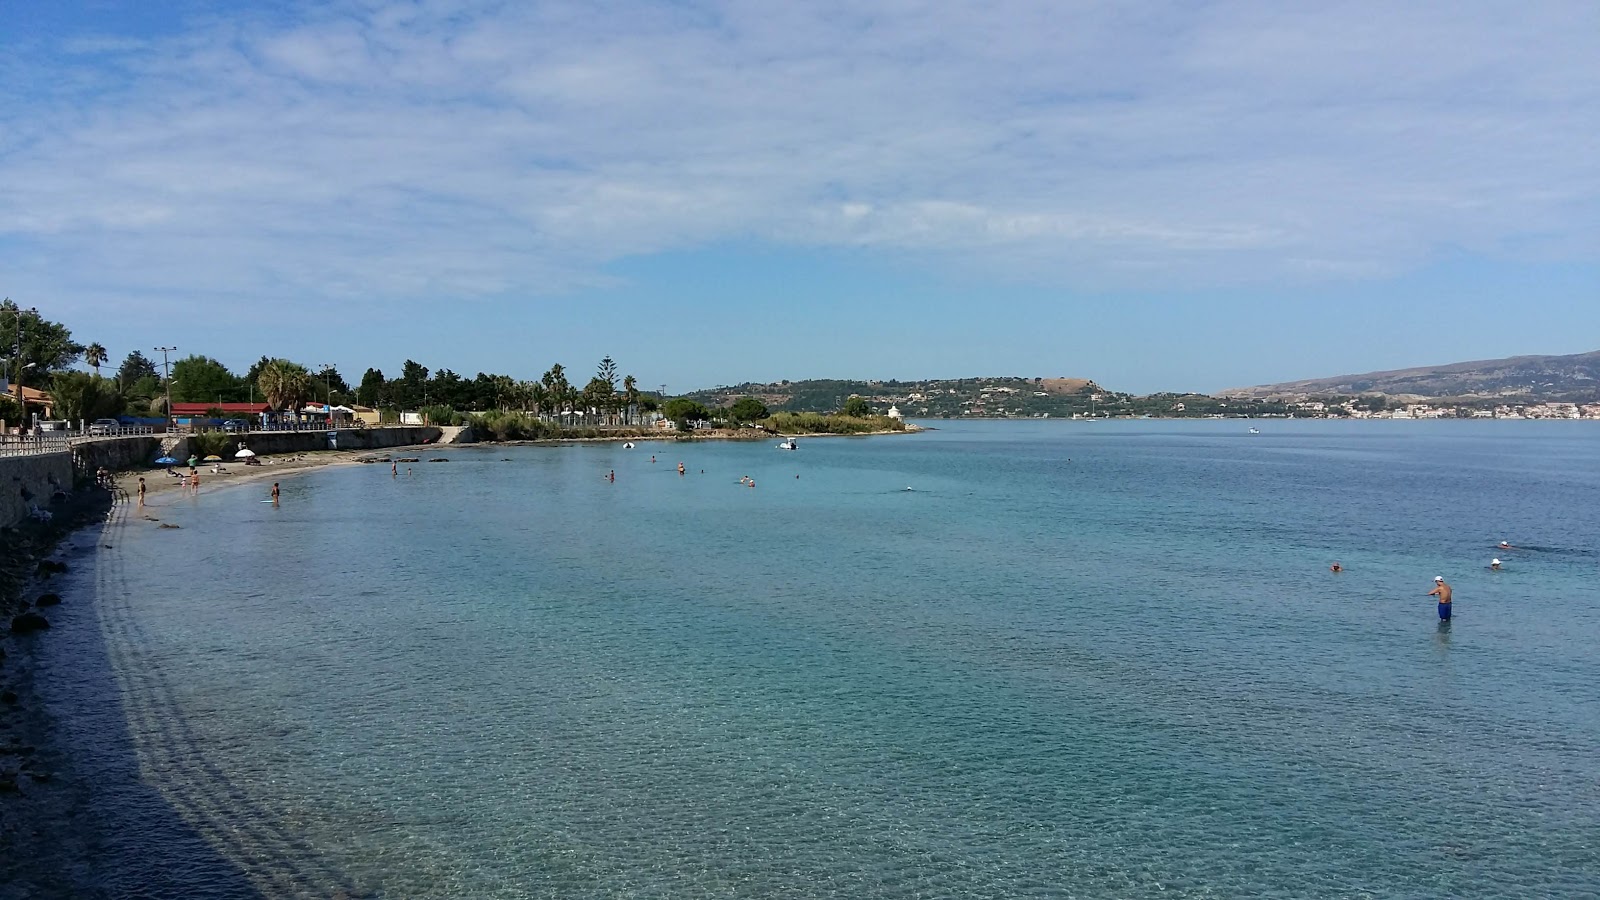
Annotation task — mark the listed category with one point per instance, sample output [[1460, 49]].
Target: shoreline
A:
[[721, 434]]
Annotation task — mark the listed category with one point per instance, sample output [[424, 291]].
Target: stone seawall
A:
[[27, 481], [117, 454], [268, 443]]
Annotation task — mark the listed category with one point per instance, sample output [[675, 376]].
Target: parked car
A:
[[234, 426], [105, 426]]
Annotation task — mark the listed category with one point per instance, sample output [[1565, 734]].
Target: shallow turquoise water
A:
[[1129, 674]]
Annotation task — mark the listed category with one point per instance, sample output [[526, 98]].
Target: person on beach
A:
[[1335, 568], [1442, 591], [1494, 564], [141, 490], [274, 493]]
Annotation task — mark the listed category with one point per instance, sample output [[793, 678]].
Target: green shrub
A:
[[439, 414], [817, 423], [213, 443]]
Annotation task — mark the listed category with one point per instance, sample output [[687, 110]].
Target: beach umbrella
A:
[[244, 453], [166, 461], [212, 458]]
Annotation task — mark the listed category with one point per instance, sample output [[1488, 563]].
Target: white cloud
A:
[[413, 149]]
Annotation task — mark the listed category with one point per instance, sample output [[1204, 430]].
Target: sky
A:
[[1159, 196]]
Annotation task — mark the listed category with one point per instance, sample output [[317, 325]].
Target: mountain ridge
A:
[[1569, 377]]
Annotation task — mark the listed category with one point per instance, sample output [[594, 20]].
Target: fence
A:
[[57, 441]]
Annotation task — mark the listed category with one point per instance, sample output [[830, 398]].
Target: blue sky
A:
[[1158, 196]]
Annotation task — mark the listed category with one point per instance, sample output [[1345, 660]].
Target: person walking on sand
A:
[[1442, 591], [141, 490]]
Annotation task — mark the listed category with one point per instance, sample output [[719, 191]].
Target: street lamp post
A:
[[17, 368], [166, 368]]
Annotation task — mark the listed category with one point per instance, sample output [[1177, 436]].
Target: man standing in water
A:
[[1442, 591], [274, 493]]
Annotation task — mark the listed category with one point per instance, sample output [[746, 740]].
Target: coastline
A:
[[719, 434]]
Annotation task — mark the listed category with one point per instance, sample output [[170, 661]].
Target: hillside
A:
[[1574, 378], [983, 398]]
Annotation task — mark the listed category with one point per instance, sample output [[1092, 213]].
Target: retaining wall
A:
[[116, 454], [39, 476]]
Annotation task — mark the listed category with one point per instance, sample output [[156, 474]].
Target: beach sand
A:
[[157, 481]]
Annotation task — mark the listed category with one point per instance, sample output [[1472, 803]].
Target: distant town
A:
[[1066, 398]]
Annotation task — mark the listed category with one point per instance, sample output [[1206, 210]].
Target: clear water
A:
[[1127, 675]]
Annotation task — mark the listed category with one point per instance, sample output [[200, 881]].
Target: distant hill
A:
[[1574, 378], [989, 396]]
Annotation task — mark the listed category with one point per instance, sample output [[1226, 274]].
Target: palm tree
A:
[[94, 355], [630, 392], [538, 396], [286, 385]]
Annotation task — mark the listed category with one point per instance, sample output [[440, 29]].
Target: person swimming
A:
[[1336, 568], [1494, 564], [1506, 546]]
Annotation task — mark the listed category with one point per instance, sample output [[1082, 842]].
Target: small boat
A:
[[628, 445], [1255, 431], [789, 444]]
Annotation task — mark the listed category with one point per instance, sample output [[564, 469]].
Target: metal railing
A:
[[55, 441]]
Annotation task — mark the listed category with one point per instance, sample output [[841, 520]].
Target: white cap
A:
[[1495, 561], [1438, 578]]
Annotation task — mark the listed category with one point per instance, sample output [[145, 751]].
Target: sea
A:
[[1019, 659]]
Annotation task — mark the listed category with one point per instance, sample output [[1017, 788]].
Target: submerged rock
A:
[[29, 622], [47, 600]]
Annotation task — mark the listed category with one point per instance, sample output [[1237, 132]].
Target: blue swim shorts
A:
[[1444, 611]]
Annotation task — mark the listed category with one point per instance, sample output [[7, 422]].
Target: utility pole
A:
[[166, 369]]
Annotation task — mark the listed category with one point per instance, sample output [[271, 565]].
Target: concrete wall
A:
[[267, 443], [41, 475], [117, 454]]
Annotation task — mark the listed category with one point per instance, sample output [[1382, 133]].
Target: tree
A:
[[630, 394], [135, 368], [607, 373], [80, 396], [94, 355], [556, 388], [682, 409], [857, 406], [201, 379], [747, 409], [285, 385], [374, 391], [538, 396], [37, 347]]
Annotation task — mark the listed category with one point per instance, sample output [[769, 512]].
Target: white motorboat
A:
[[1255, 431], [789, 444], [628, 446]]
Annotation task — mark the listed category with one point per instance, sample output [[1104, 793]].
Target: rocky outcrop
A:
[[28, 623]]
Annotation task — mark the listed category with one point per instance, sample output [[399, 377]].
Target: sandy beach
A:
[[157, 481]]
